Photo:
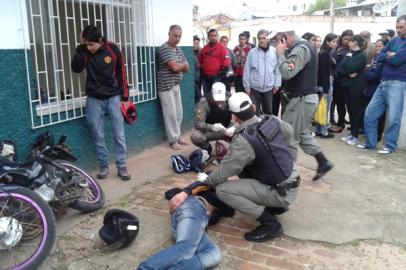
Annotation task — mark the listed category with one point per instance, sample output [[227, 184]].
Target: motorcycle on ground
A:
[[27, 228], [50, 172]]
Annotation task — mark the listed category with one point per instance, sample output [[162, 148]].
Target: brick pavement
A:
[[80, 247]]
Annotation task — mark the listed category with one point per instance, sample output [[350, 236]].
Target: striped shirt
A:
[[166, 78]]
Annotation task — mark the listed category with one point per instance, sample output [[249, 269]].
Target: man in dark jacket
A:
[[198, 81], [106, 90]]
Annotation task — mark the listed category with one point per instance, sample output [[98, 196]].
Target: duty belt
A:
[[289, 95], [282, 188]]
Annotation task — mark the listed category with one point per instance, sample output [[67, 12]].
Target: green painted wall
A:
[[15, 119]]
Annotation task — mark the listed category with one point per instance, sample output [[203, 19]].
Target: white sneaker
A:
[[346, 138], [352, 141], [385, 151], [362, 146]]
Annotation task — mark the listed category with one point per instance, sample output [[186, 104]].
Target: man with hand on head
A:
[[297, 60], [259, 154], [106, 91]]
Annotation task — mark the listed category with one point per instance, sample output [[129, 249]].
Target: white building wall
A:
[[165, 13], [11, 24], [319, 25]]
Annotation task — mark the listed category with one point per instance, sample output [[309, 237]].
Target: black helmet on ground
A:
[[120, 228]]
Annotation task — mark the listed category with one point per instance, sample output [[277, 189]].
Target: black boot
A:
[[276, 210], [324, 166], [269, 228]]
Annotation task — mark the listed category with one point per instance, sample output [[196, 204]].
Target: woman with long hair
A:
[[325, 77]]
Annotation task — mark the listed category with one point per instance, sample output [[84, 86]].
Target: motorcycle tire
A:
[[94, 196], [32, 220]]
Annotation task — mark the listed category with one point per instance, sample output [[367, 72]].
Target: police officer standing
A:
[[212, 118], [260, 156], [297, 60]]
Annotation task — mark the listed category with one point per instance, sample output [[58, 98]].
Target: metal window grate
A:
[[56, 93]]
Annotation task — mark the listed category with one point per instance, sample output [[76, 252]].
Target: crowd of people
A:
[[349, 70], [277, 88]]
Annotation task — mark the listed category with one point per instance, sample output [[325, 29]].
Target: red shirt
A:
[[240, 58], [213, 58]]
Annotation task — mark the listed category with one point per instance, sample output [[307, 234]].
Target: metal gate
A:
[[54, 26]]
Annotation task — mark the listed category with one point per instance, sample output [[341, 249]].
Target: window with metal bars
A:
[[56, 93]]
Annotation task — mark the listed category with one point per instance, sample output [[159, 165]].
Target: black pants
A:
[[381, 122], [339, 101], [208, 81], [262, 101], [353, 96], [227, 82], [276, 102], [198, 91], [239, 86]]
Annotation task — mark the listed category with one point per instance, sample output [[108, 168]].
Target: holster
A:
[[283, 188]]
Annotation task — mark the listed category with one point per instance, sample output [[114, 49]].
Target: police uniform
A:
[[302, 99], [206, 115], [248, 195]]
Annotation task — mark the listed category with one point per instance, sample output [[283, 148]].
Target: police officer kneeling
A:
[[212, 117], [259, 154]]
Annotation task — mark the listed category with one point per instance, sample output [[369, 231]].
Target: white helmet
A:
[[239, 102], [218, 91]]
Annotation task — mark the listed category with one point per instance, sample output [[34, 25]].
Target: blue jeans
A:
[[96, 109], [323, 129], [388, 96], [193, 248]]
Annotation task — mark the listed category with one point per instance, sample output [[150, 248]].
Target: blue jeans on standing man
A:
[[193, 249], [388, 96], [96, 109]]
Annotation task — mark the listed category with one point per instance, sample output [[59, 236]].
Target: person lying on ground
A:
[[193, 248]]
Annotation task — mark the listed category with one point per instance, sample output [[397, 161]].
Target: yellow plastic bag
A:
[[321, 112]]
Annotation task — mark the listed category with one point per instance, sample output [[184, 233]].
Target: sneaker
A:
[[326, 136], [103, 173], [346, 138], [385, 151], [352, 141], [123, 173], [175, 146], [364, 146]]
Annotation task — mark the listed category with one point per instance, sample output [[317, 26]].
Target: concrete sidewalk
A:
[[353, 218]]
